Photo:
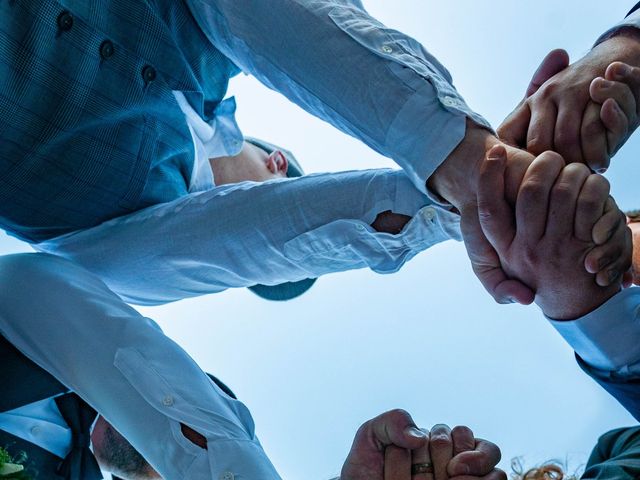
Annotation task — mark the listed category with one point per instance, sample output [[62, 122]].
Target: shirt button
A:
[[226, 476], [167, 401], [65, 21], [35, 430], [106, 49], [359, 226], [149, 74], [450, 101], [387, 49], [429, 214]]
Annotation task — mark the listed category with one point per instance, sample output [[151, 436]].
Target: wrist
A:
[[623, 45], [456, 179], [576, 308]]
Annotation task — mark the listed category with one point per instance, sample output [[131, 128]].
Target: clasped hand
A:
[[386, 447]]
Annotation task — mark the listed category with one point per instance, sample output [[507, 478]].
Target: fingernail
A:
[[415, 432], [601, 170], [604, 83]]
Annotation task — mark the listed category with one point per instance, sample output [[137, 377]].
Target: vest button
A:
[[149, 74], [65, 21], [106, 49]]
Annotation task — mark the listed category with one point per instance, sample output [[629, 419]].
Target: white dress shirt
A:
[[69, 323], [40, 423]]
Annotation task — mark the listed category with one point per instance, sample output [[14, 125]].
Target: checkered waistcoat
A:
[[87, 110]]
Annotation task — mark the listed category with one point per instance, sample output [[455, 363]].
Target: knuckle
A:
[[440, 441], [462, 430], [592, 127], [537, 145]]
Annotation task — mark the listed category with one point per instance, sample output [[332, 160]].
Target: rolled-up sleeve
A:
[[340, 64]]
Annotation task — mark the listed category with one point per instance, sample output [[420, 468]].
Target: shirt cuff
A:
[[239, 459], [430, 125], [632, 21], [607, 338]]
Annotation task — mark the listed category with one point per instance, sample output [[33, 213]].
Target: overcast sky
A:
[[427, 339]]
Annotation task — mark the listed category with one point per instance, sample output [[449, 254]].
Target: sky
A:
[[427, 339]]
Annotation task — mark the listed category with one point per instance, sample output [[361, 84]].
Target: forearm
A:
[[347, 68], [240, 235], [70, 324]]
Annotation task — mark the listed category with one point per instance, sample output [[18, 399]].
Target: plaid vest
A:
[[87, 115]]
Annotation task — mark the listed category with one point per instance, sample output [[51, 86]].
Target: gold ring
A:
[[417, 468]]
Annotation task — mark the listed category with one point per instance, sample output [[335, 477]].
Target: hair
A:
[[551, 470], [119, 457]]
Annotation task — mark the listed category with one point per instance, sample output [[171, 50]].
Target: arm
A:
[[617, 455], [65, 320], [337, 62], [269, 233]]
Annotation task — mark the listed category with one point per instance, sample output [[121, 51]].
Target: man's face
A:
[[252, 164], [116, 455]]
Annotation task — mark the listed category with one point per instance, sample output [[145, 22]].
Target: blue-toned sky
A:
[[427, 339]]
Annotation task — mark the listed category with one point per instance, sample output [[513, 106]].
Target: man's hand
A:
[[457, 455], [556, 212], [387, 447], [456, 180], [584, 111]]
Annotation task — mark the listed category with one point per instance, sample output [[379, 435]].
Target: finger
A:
[[622, 72], [608, 223], [421, 456], [463, 439], [441, 449], [497, 474], [397, 463], [614, 257], [562, 205], [480, 461], [513, 130], [590, 207], [540, 136], [495, 214], [533, 196], [555, 61], [594, 139], [602, 89], [616, 124], [396, 427], [567, 133], [486, 265], [618, 97]]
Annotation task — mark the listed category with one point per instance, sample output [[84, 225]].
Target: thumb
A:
[[514, 129], [555, 61], [397, 428]]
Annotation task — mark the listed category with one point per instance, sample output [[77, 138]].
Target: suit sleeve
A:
[[617, 455], [607, 347]]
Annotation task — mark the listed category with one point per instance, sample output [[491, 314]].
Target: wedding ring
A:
[[417, 468]]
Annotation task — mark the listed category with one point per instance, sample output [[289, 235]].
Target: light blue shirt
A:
[[40, 423], [269, 233], [342, 65], [122, 364]]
